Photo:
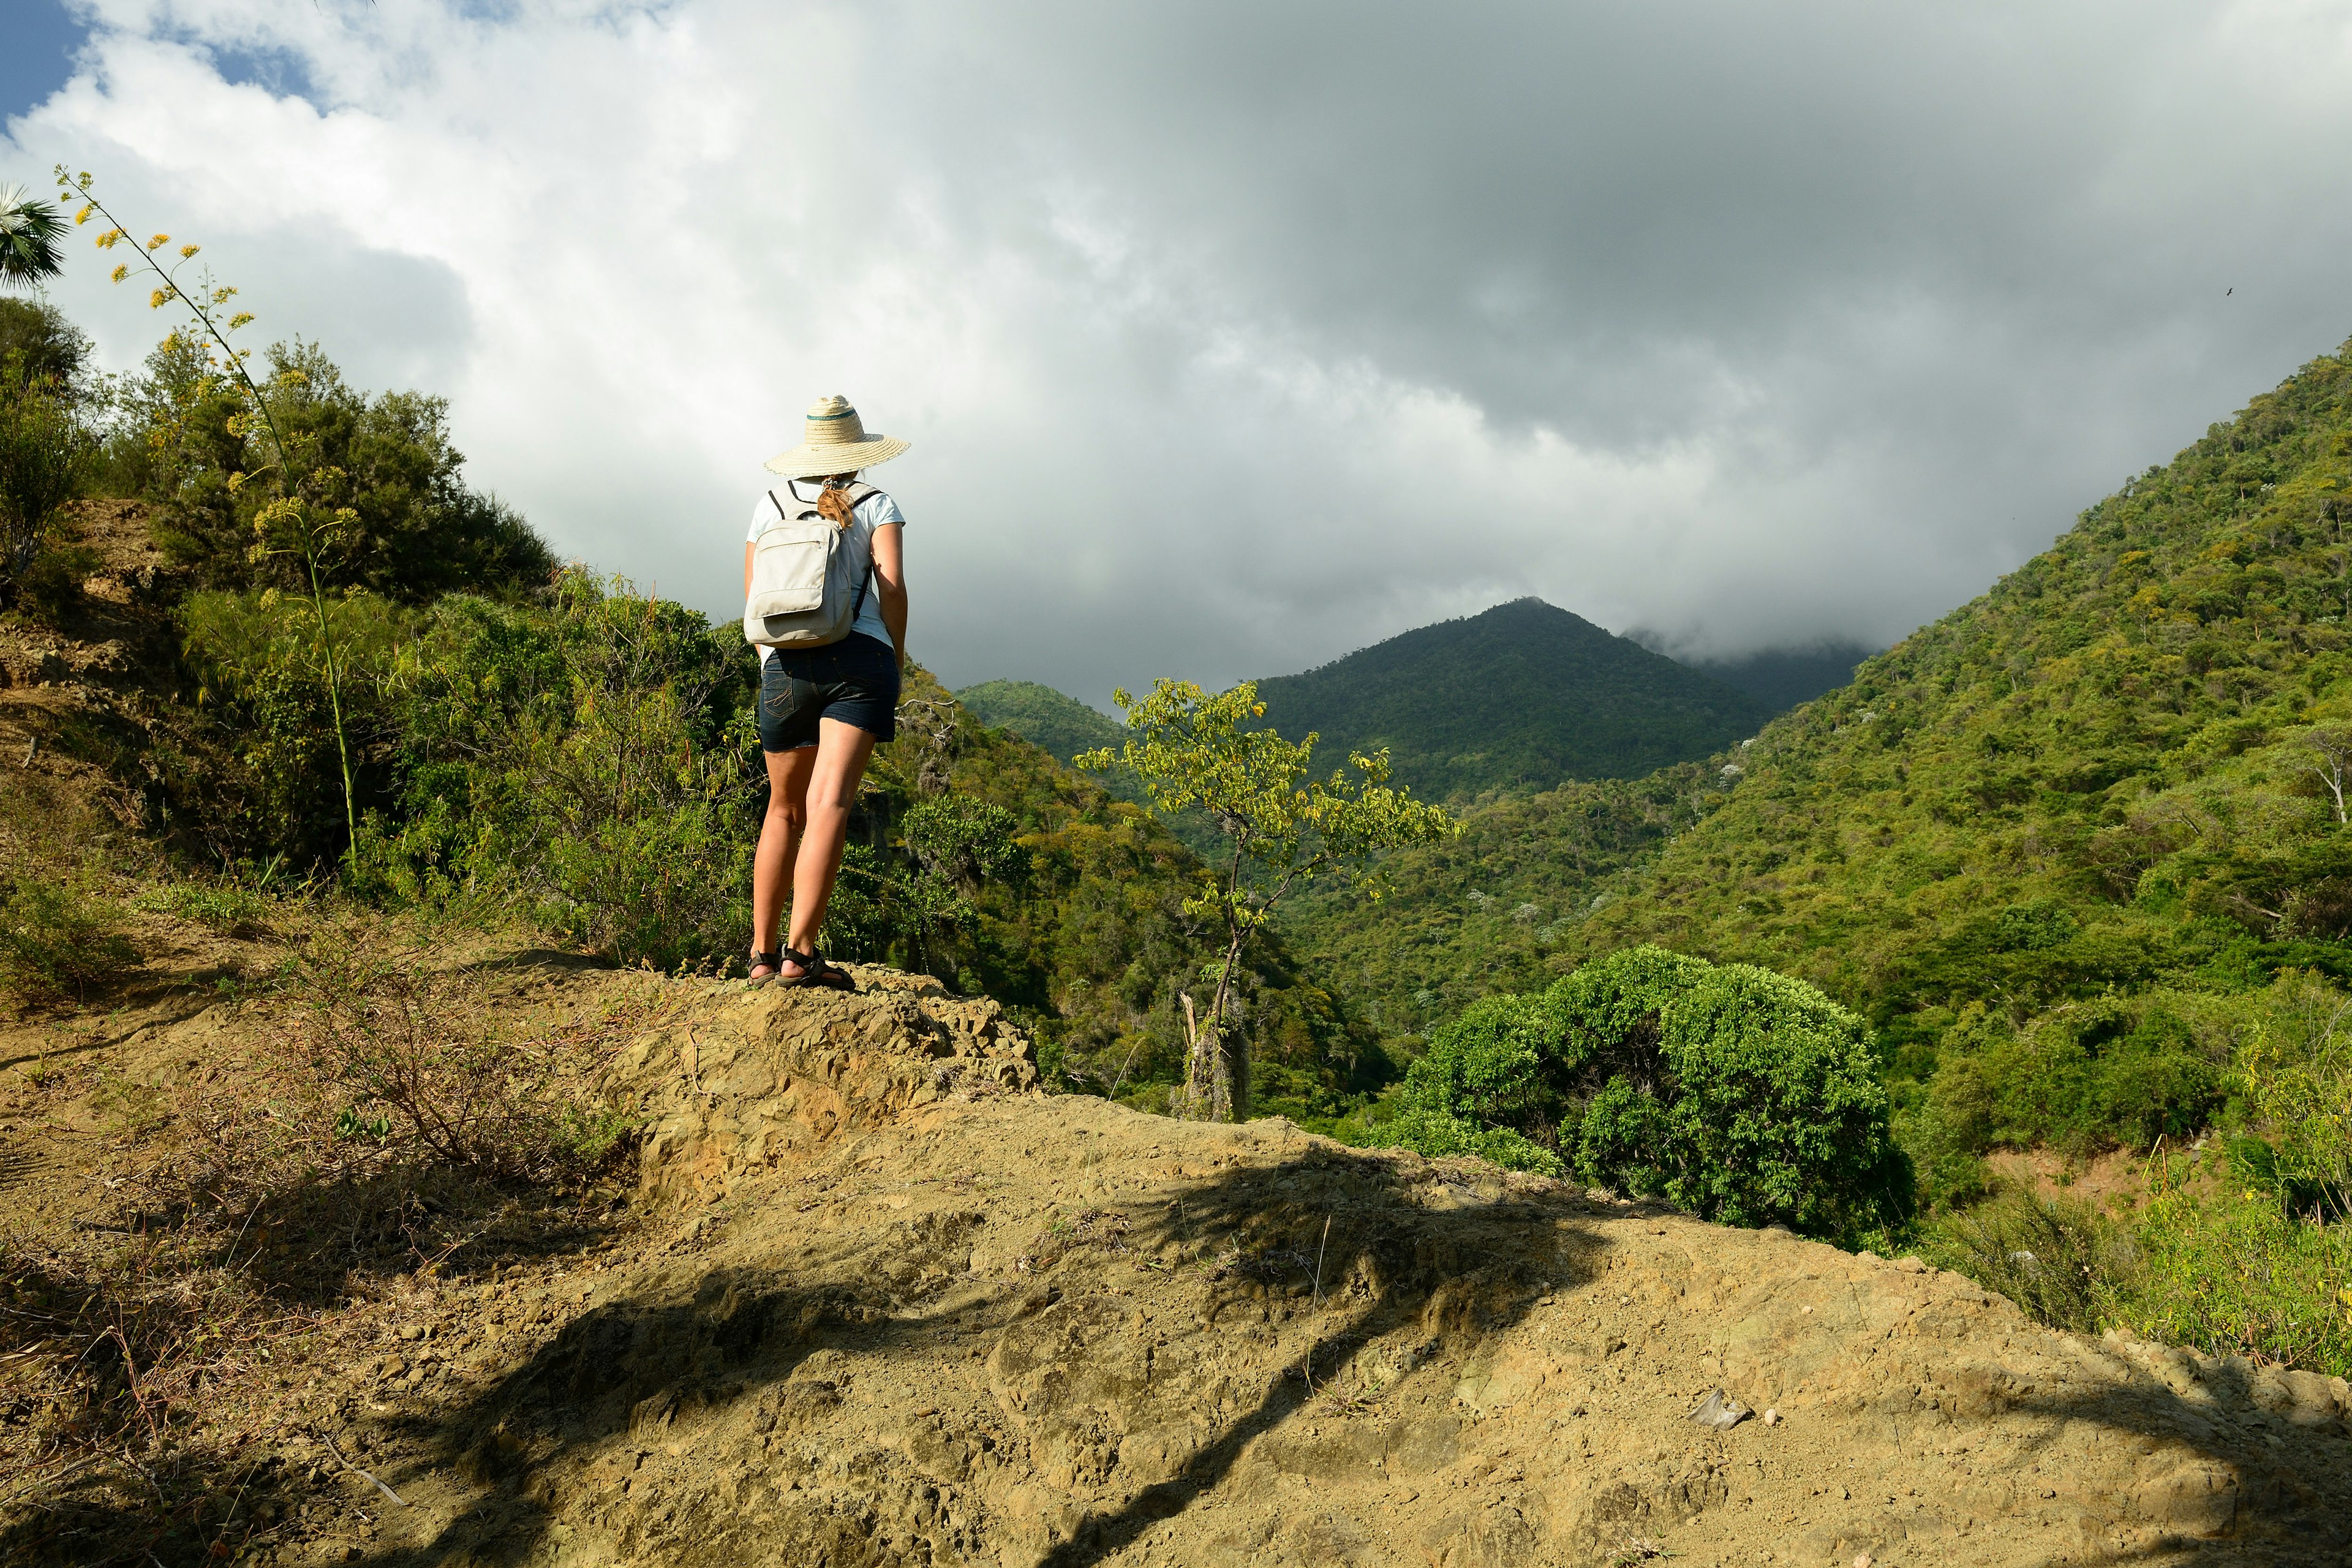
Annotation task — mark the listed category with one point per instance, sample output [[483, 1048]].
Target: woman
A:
[[824, 710]]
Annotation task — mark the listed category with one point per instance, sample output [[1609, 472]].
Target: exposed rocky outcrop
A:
[[912, 1312]]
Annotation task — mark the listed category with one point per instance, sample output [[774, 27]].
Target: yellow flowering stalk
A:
[[291, 522]]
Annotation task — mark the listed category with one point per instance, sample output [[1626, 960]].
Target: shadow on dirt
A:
[[1327, 1241], [2252, 1498], [633, 1368]]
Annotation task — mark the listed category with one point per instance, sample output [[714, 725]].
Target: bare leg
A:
[[780, 840], [841, 752]]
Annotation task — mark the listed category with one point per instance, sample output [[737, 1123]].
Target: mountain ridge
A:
[[1523, 694]]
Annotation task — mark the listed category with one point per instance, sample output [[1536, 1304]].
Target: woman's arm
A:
[[748, 547], [890, 582]]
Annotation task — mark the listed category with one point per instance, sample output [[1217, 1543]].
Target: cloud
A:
[[1233, 337]]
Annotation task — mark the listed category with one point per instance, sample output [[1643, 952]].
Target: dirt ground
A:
[[872, 1299]]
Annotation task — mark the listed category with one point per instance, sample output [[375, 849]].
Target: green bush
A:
[[262, 716], [2235, 1274], [593, 763], [59, 939], [1739, 1094], [44, 456], [2091, 1076], [411, 528]]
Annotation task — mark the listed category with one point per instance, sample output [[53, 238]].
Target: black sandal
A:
[[772, 962], [816, 971]]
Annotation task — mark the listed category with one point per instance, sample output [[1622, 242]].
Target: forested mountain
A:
[[1523, 696], [1782, 677], [1055, 724], [2041, 840]]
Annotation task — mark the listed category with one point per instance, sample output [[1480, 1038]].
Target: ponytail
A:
[[832, 502]]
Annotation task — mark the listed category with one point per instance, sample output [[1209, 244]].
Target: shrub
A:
[[2058, 1261], [595, 762], [2298, 1079], [2089, 1077], [421, 1067], [45, 453], [58, 938], [1483, 1074], [1739, 1094], [411, 527], [264, 712], [2233, 1273]]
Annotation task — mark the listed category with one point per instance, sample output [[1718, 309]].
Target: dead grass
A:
[[387, 1127]]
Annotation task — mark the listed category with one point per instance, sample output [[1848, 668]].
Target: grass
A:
[[2201, 1263], [2055, 1260], [395, 1126], [224, 909]]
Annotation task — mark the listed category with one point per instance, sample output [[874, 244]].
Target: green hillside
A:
[[2032, 838], [1488, 910], [2120, 736], [1523, 696], [1062, 726]]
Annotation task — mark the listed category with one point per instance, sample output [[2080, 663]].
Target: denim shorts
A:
[[854, 680]]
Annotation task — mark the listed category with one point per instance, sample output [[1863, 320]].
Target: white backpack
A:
[[802, 595]]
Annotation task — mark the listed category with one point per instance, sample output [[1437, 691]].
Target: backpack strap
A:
[[858, 492]]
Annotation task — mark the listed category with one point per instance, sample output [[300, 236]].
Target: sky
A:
[[1232, 338]]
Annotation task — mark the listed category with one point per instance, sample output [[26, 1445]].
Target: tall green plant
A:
[[1283, 828], [302, 517]]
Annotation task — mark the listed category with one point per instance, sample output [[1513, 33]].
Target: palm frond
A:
[[30, 231]]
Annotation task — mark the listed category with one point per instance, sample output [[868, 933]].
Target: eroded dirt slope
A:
[[892, 1307]]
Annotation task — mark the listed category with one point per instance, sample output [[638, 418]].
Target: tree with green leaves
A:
[[1283, 828], [1741, 1095], [52, 347], [45, 451]]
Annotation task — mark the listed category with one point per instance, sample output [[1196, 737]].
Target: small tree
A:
[[2331, 749], [1283, 828], [304, 517]]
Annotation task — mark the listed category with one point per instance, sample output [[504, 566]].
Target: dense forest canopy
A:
[[1522, 697], [1060, 726]]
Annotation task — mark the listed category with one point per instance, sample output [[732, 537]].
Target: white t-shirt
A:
[[858, 540]]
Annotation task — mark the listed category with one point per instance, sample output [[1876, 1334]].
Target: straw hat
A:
[[835, 442]]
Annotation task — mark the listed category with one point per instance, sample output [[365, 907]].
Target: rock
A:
[[1719, 1411]]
